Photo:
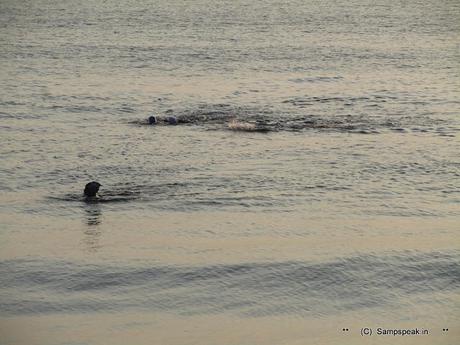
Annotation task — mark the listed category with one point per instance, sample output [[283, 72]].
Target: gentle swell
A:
[[366, 281]]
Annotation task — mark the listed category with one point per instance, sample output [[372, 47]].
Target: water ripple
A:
[[364, 281]]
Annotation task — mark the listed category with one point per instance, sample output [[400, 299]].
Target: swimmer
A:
[[170, 120], [91, 189], [152, 120]]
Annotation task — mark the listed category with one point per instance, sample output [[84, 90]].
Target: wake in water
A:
[[128, 192], [247, 119], [106, 196], [240, 126]]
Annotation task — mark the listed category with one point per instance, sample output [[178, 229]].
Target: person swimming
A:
[[91, 189], [170, 120]]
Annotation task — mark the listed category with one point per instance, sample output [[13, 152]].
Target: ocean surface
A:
[[310, 189]]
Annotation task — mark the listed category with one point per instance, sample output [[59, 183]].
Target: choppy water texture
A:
[[311, 183]]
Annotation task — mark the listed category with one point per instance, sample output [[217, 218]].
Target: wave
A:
[[255, 289]]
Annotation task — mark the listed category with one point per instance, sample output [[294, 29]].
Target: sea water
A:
[[310, 189]]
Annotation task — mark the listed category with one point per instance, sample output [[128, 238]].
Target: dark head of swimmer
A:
[[171, 120], [91, 189], [152, 120]]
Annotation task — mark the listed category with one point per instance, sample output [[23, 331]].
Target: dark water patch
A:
[[209, 113], [255, 289], [413, 169], [263, 120], [12, 103], [160, 121], [73, 98], [315, 79], [108, 196]]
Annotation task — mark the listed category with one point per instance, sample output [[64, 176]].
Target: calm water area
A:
[[311, 185]]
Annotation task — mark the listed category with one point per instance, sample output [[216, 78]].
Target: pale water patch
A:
[[145, 328]]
